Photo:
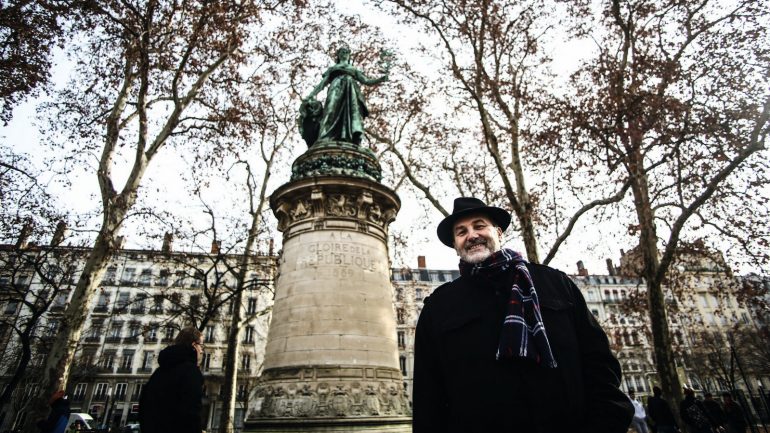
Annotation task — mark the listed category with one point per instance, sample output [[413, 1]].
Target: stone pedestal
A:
[[331, 360]]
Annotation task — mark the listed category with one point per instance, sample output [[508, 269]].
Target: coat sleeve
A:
[[429, 402], [608, 410]]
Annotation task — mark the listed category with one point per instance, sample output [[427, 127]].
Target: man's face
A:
[[198, 346], [476, 238]]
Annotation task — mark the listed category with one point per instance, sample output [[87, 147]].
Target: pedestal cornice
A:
[[334, 203]]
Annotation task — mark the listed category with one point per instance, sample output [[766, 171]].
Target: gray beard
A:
[[475, 257]]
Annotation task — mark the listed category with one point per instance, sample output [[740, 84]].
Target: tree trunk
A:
[[228, 391], [648, 240], [59, 360]]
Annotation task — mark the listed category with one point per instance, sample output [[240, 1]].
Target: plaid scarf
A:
[[523, 334]]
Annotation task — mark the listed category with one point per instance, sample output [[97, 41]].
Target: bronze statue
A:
[[341, 117]]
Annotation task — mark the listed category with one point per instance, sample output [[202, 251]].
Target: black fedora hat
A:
[[465, 206]]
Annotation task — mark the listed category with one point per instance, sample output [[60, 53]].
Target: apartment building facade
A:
[[143, 301]]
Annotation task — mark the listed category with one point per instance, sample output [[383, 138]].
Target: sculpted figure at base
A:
[[341, 117]]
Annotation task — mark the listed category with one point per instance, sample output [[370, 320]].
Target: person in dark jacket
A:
[[714, 410], [736, 420], [510, 346], [171, 399], [59, 416], [695, 415], [660, 412]]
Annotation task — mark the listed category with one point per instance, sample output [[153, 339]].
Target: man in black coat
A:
[[510, 346], [660, 412], [171, 399]]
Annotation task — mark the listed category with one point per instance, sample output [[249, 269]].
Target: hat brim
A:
[[499, 216]]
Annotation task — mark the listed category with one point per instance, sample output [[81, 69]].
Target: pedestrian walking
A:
[[59, 416], [660, 413], [736, 420], [171, 399], [640, 416], [694, 414], [714, 411]]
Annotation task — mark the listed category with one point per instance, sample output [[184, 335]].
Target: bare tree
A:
[[676, 105], [496, 73], [148, 74]]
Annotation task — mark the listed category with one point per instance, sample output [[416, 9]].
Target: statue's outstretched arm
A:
[[363, 79]]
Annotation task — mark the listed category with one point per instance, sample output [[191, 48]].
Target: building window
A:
[[152, 332], [246, 362], [116, 331], [195, 302], [127, 362], [209, 334], [168, 333], [206, 361], [53, 327], [100, 393], [80, 392], [163, 278], [176, 302], [121, 389], [252, 306], [248, 335], [241, 392], [129, 274], [157, 306], [103, 303], [402, 364], [148, 360], [108, 360], [88, 357], [134, 330], [95, 332], [11, 307], [138, 306], [179, 277], [145, 278], [137, 392], [60, 300], [109, 276], [123, 299], [400, 315], [401, 339]]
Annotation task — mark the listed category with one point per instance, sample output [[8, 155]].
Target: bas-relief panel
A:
[[330, 400]]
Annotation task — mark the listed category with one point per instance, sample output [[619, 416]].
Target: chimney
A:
[[582, 271], [610, 267], [168, 243], [215, 247], [26, 230], [270, 249], [421, 262], [120, 241], [59, 233]]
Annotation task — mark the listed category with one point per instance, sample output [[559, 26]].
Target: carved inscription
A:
[[345, 256]]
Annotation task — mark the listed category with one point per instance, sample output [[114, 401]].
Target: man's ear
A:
[[500, 234]]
